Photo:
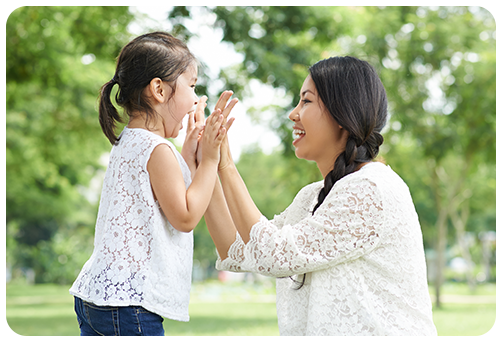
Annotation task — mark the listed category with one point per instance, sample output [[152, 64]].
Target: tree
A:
[[438, 67], [57, 58]]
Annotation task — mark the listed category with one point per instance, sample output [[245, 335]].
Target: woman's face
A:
[[183, 102], [317, 136]]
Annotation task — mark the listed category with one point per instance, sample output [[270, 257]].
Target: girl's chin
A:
[[176, 131]]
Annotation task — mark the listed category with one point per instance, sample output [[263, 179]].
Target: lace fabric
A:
[[139, 258], [363, 254]]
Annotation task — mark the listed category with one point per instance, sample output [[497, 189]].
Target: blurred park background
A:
[[438, 65]]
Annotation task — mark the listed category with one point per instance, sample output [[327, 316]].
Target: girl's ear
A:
[[159, 90]]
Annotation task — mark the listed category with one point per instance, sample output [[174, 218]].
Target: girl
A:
[[352, 242], [140, 269]]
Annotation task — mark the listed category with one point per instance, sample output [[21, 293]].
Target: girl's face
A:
[[183, 102], [317, 136]]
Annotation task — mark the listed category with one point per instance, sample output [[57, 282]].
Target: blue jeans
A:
[[110, 320]]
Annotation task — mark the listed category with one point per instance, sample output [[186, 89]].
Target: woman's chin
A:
[[298, 154]]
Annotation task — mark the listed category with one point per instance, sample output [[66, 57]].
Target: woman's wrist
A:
[[225, 167]]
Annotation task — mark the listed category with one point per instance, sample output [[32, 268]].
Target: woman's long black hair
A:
[[354, 96]]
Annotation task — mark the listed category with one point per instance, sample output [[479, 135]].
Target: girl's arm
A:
[[184, 208]]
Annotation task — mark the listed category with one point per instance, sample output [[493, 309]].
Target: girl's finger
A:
[[200, 109], [216, 117], [221, 135], [190, 121]]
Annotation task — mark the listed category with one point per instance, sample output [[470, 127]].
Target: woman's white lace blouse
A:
[[138, 258], [363, 254]]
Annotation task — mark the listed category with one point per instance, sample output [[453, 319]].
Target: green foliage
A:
[[438, 67], [437, 64], [57, 59]]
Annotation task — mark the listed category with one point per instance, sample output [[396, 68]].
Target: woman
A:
[[351, 243]]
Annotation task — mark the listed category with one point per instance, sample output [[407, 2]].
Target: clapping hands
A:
[[208, 139]]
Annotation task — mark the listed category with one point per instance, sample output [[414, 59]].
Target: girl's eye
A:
[[305, 101]]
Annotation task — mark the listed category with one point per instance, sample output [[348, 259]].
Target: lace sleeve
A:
[[235, 257], [346, 226]]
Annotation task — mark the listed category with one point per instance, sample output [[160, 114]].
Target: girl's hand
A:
[[225, 110], [195, 127], [212, 137]]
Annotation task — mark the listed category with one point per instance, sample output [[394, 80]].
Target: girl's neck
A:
[[138, 121]]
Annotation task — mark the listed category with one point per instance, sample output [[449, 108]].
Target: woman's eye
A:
[[305, 101]]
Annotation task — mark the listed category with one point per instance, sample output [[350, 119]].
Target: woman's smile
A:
[[298, 134]]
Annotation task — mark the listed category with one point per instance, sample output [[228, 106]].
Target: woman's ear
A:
[[159, 90], [344, 134]]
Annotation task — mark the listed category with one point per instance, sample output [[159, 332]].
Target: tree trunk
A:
[[440, 254], [445, 204], [459, 222]]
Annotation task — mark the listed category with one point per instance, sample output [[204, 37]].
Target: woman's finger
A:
[[224, 97], [229, 107], [229, 123]]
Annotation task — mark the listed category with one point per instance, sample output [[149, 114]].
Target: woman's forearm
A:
[[219, 222], [243, 210]]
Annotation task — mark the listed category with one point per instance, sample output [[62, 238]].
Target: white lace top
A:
[[139, 258], [363, 254]]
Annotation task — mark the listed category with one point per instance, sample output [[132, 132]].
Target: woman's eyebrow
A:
[[305, 91]]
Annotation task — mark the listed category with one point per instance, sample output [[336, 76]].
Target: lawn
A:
[[229, 309]]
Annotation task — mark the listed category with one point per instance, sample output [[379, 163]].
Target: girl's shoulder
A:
[[141, 138]]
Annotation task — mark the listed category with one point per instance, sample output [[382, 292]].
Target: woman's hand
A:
[[196, 123], [225, 153]]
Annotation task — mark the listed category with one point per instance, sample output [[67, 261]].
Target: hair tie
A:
[[114, 80]]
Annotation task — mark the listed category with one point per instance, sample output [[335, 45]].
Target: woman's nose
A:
[[294, 115]]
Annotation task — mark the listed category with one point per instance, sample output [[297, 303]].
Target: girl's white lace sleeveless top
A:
[[139, 258], [363, 254]]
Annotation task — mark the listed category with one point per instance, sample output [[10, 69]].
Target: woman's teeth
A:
[[298, 133]]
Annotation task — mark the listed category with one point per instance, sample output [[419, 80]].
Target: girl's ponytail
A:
[[108, 115], [149, 56]]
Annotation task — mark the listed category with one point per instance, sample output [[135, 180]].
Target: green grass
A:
[[464, 319], [221, 309]]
